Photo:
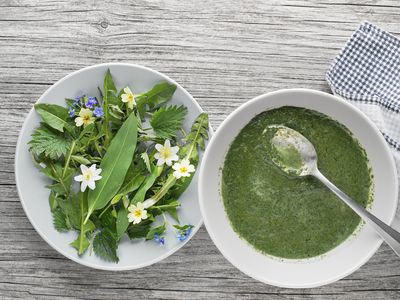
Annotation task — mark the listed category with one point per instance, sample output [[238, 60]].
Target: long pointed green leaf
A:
[[53, 115], [114, 165]]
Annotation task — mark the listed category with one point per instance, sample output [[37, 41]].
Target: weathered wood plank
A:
[[224, 53]]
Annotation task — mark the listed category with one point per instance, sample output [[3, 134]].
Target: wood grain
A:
[[224, 53]]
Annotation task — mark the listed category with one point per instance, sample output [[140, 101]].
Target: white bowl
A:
[[337, 263], [31, 183]]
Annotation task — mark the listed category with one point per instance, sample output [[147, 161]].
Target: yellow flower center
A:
[[87, 176], [166, 153], [183, 169], [130, 98], [86, 119], [137, 213]]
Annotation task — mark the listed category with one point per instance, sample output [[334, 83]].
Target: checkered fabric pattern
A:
[[367, 74]]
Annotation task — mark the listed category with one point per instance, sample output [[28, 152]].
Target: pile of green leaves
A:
[[120, 144]]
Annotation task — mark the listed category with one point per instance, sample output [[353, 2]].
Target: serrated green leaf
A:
[[140, 230], [53, 115], [146, 160], [60, 220], [114, 165], [105, 245], [48, 142], [159, 230], [168, 120]]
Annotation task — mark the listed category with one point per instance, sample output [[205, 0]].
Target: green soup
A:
[[294, 217]]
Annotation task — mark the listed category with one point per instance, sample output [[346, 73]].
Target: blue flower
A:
[[183, 234], [91, 102], [71, 112], [98, 111], [159, 239]]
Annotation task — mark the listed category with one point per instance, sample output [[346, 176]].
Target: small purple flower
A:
[[159, 239], [71, 112], [98, 111], [91, 102]]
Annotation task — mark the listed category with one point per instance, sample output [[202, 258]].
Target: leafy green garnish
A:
[[53, 115], [105, 245], [48, 142], [166, 121]]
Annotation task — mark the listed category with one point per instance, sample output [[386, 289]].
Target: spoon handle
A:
[[389, 235]]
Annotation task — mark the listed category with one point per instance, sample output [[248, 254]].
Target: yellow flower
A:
[[85, 117], [128, 98], [137, 213]]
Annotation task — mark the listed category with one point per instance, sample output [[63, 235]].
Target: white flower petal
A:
[[78, 178], [78, 121], [160, 161], [167, 144], [176, 166], [84, 169], [127, 90], [91, 184], [191, 169], [177, 174], [83, 186], [140, 206], [157, 155], [174, 149], [97, 177]]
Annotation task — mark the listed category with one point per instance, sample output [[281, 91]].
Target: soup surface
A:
[[294, 217]]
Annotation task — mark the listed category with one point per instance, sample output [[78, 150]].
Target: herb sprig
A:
[[117, 165]]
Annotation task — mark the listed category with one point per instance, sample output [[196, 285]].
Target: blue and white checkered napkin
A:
[[367, 74]]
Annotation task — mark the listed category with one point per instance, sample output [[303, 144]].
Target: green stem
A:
[[82, 233], [108, 206], [106, 121], [59, 178], [165, 188], [68, 158]]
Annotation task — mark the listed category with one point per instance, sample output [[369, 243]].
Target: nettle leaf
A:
[[167, 121], [48, 142], [159, 94], [60, 220], [53, 115], [156, 230], [114, 165], [140, 230], [105, 245]]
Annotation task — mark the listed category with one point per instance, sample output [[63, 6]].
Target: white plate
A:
[[31, 183], [339, 262]]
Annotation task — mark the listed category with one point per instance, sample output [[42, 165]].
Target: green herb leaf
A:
[[146, 160], [147, 184], [48, 142], [60, 220], [139, 230], [80, 159], [105, 245], [159, 94], [122, 222], [109, 89], [114, 165], [166, 121], [53, 115], [159, 230], [132, 185]]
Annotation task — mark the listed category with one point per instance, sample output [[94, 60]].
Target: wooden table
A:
[[224, 53]]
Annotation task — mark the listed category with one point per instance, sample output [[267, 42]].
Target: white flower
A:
[[183, 169], [88, 177], [166, 154], [128, 97], [137, 213], [85, 117]]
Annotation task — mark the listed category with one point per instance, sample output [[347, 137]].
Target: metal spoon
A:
[[296, 155]]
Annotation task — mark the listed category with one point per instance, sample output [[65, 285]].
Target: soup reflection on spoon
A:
[[295, 155]]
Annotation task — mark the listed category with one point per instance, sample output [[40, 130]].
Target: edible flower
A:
[[85, 117], [183, 169], [159, 239], [71, 112], [98, 111], [128, 98], [88, 177], [91, 102], [137, 213], [166, 154], [184, 233]]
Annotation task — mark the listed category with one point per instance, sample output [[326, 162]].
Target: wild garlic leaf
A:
[[80, 159], [53, 115], [122, 222], [159, 94], [140, 230], [132, 185], [114, 165], [105, 245], [159, 230], [168, 120], [48, 142], [147, 184], [60, 220]]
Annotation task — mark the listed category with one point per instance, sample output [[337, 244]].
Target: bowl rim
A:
[[233, 115], [16, 172]]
